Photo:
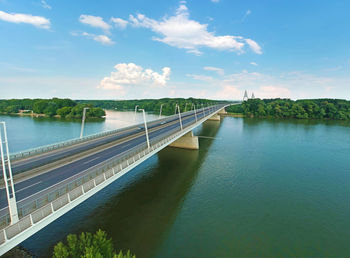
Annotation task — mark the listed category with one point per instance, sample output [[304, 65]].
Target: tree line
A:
[[65, 108], [151, 105], [336, 109]]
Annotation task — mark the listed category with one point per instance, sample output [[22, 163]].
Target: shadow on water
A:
[[137, 210]]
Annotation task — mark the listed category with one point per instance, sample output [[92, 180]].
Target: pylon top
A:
[[245, 97]]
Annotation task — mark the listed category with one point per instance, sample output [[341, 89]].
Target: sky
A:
[[137, 49]]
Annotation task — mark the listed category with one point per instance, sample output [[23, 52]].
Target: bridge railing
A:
[[63, 144], [121, 162]]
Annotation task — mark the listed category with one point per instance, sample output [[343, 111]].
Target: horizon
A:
[[134, 50], [80, 99]]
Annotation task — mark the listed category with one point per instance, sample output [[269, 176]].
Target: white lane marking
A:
[[27, 187], [90, 160]]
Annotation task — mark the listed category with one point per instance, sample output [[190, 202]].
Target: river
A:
[[255, 188]]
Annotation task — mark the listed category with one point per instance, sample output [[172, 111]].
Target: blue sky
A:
[[150, 49]]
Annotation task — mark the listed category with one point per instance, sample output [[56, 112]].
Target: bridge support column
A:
[[222, 112], [214, 117], [188, 141]]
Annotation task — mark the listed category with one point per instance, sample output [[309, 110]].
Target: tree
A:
[[50, 109], [88, 246], [63, 112], [39, 106], [11, 109]]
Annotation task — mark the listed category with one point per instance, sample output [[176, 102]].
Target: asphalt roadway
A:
[[32, 188]]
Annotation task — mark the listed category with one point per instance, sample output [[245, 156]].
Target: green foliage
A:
[[88, 246], [63, 112], [336, 109], [151, 105], [50, 107], [235, 109]]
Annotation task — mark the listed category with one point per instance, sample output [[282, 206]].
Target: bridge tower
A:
[[7, 174], [245, 97]]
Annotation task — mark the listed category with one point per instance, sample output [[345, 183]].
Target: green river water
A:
[[255, 188]]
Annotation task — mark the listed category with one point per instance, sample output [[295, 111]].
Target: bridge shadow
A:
[[139, 209]]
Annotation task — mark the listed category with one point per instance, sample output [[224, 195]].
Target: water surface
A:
[[255, 188]]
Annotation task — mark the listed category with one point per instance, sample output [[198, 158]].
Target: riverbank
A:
[[23, 114], [233, 114], [47, 116]]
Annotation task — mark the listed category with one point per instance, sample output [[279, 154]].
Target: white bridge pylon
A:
[[245, 97], [7, 174]]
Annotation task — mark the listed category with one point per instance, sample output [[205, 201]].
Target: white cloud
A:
[[119, 23], [200, 77], [4, 66], [254, 46], [228, 92], [182, 32], [293, 85], [333, 69], [132, 75], [45, 5], [131, 84], [271, 91], [103, 39], [247, 13], [94, 21], [253, 63], [219, 71], [37, 21]]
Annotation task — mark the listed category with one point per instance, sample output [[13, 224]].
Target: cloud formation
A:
[[94, 21], [182, 32], [103, 39], [37, 21], [45, 5], [133, 75], [219, 71], [254, 46], [119, 23]]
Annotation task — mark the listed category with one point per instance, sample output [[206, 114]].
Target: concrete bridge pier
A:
[[188, 141], [222, 112], [216, 117]]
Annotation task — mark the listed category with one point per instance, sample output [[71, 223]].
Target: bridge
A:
[[42, 184]]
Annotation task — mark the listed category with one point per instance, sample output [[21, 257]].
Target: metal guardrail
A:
[[66, 192]]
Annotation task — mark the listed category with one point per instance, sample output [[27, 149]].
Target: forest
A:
[[65, 108], [336, 109], [151, 105]]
